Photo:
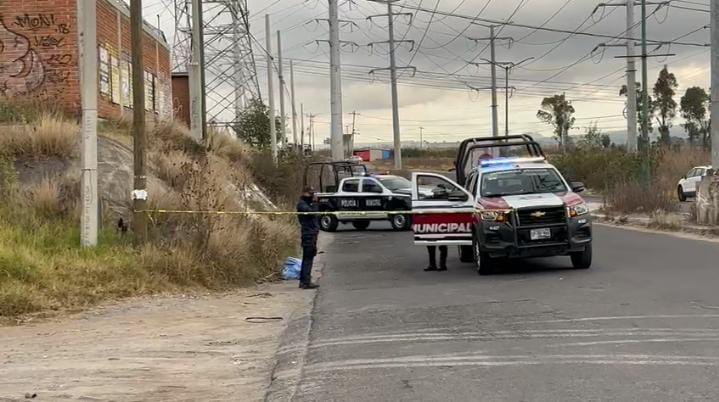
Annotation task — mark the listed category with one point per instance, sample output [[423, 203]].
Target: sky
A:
[[438, 97]]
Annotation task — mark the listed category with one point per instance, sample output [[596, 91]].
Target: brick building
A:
[[39, 56]]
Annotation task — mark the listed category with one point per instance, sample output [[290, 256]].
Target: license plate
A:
[[540, 234]]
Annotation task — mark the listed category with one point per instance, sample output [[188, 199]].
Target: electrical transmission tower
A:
[[230, 70]]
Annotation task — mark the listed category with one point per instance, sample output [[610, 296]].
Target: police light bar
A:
[[508, 161]]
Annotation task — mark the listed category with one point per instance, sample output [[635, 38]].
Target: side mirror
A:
[[458, 196], [684, 177], [577, 186]]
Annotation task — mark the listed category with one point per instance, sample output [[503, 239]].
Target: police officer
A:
[[432, 250], [310, 230]]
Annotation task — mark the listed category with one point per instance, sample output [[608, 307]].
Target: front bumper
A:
[[508, 240]]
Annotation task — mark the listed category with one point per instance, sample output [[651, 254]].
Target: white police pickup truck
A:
[[357, 197], [512, 206]]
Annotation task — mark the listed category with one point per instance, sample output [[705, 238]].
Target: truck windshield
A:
[[396, 183], [521, 181]]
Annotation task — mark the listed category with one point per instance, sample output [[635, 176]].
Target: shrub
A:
[[49, 136]]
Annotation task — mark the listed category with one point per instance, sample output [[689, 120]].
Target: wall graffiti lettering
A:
[[25, 68], [21, 68]]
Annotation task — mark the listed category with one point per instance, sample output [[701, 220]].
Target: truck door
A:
[[443, 211]]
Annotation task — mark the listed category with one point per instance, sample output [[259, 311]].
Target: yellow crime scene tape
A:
[[294, 213]]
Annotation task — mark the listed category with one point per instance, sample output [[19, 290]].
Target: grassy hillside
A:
[[42, 266]]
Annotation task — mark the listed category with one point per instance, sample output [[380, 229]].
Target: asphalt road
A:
[[641, 325]]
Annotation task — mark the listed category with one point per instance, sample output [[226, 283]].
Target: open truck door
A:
[[442, 213]]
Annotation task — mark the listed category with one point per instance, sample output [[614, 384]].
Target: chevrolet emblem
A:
[[538, 214]]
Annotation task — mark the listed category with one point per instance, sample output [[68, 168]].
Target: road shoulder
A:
[[199, 347]]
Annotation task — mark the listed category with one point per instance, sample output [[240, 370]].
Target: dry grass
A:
[[42, 266], [49, 136], [224, 145]]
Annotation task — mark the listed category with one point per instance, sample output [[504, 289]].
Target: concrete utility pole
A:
[[312, 132], [271, 89], [139, 194], [395, 95], [354, 133], [197, 97], [336, 143], [645, 80], [631, 82], [421, 141], [283, 86], [493, 63], [294, 106], [87, 40], [715, 82], [392, 44], [302, 127], [495, 117]]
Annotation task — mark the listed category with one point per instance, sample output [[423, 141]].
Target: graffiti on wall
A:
[[32, 54]]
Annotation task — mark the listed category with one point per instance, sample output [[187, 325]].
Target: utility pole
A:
[[495, 117], [336, 145], [395, 95], [312, 132], [270, 89], [139, 194], [645, 87], [715, 82], [392, 43], [302, 127], [493, 63], [87, 40], [294, 106], [421, 141], [631, 82], [507, 66], [283, 86], [197, 93], [354, 133]]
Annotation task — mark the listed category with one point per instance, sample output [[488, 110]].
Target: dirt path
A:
[[169, 348]]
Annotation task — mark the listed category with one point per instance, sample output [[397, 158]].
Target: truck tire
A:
[[466, 254], [483, 261], [582, 259], [329, 223], [399, 222], [361, 225]]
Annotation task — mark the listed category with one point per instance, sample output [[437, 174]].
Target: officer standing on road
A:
[[310, 230]]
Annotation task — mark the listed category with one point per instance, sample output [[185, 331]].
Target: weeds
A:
[[48, 136]]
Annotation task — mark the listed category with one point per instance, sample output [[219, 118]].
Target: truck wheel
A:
[[399, 222], [481, 259], [680, 193], [466, 254], [361, 225], [582, 259], [329, 223]]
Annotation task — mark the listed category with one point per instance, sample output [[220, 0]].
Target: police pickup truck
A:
[[511, 206], [357, 197]]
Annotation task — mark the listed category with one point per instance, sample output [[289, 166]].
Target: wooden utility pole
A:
[[139, 194]]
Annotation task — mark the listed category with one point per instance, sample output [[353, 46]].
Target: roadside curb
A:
[[291, 355], [705, 232]]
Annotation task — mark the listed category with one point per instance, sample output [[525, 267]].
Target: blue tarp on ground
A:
[[291, 269]]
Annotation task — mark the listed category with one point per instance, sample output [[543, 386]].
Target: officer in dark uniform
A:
[[310, 230]]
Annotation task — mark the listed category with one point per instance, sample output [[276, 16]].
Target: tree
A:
[[592, 137], [666, 107], [253, 126], [694, 107], [606, 141], [640, 103], [557, 111]]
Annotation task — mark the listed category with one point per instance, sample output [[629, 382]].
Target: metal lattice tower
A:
[[230, 71]]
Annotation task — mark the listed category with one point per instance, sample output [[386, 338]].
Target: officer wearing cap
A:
[[310, 225]]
